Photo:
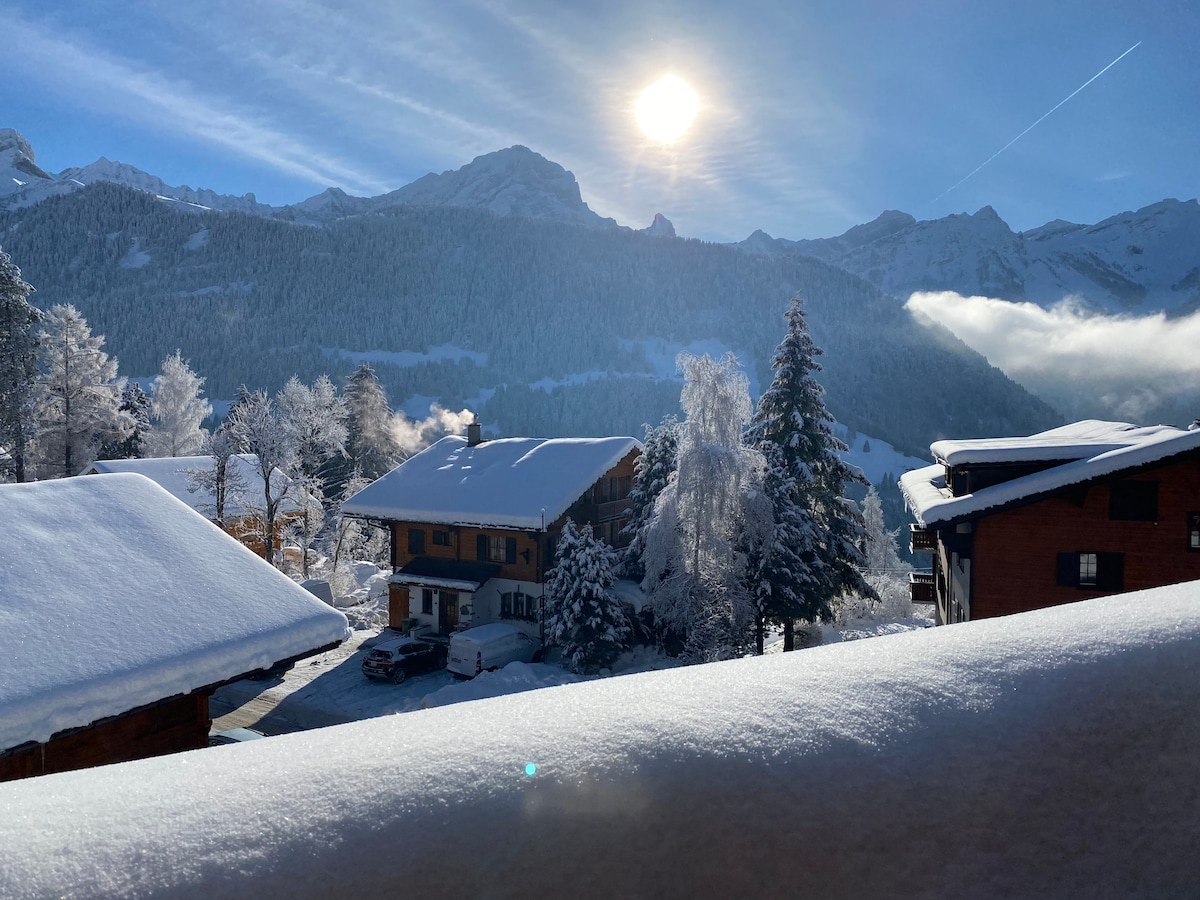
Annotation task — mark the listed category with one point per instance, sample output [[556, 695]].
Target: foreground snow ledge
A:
[[1050, 753]]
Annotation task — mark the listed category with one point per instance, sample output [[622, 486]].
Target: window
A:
[[1193, 530], [496, 548], [1133, 501], [1087, 570], [416, 541], [516, 605], [1092, 571], [442, 539], [426, 602]]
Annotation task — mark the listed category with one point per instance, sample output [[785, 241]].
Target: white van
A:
[[489, 647]]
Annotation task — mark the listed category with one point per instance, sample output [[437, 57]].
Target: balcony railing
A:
[[920, 587], [921, 540], [612, 509]]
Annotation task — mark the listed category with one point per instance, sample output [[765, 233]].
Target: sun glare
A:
[[665, 109]]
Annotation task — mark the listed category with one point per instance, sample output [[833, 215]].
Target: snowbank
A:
[[1045, 754]]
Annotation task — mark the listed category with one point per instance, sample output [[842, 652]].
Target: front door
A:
[[447, 612]]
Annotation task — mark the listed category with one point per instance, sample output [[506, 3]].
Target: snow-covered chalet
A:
[[1019, 523], [121, 611], [242, 514], [473, 523]]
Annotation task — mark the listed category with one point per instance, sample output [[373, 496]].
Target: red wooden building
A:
[[121, 611], [473, 523], [1092, 508]]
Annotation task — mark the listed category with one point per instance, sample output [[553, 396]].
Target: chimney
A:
[[474, 438]]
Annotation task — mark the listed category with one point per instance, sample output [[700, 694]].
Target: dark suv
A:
[[396, 660]]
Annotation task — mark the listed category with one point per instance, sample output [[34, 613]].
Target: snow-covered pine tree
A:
[[176, 410], [78, 396], [581, 616], [694, 563], [256, 427], [135, 406], [778, 531], [18, 369], [791, 414], [652, 470], [371, 447]]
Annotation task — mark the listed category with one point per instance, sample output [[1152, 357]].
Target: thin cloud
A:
[[173, 106], [1127, 366]]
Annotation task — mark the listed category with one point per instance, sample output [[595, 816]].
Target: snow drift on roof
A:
[[931, 502], [1050, 753], [498, 484], [113, 594], [1078, 440], [171, 474]]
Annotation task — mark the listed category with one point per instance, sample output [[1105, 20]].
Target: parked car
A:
[[489, 647], [233, 736], [396, 660]]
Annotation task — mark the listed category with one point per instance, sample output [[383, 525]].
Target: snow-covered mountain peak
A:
[[511, 182], [19, 172], [660, 227]]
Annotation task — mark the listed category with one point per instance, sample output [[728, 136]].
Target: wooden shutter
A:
[[510, 550], [481, 548], [1110, 571], [1068, 569]]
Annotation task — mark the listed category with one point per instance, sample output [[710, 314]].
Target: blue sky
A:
[[814, 117]]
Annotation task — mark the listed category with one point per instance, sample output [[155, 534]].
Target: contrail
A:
[[1035, 124]]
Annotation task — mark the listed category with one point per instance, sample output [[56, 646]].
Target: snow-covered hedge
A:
[[1047, 754]]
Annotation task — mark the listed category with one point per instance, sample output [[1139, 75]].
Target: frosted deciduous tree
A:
[[581, 616], [371, 446], [315, 421], [652, 470], [223, 478], [255, 426], [18, 369], [694, 564], [176, 410], [78, 394], [791, 415]]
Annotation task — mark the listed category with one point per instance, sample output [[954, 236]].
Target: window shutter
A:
[[1110, 571], [481, 548], [1068, 569], [510, 550]]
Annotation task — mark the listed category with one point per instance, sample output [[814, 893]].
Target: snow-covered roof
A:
[[113, 595], [506, 483], [1056, 748], [1093, 450], [171, 474], [1078, 440]]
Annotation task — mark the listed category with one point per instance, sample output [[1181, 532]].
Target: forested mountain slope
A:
[[253, 300]]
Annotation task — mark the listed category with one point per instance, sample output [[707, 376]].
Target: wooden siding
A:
[[172, 726], [1015, 551]]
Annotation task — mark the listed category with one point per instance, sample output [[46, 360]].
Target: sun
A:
[[665, 110]]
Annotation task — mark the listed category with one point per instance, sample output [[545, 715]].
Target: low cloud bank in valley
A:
[[1130, 368]]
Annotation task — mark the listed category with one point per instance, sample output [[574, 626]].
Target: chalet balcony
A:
[[921, 540], [920, 587], [613, 509]]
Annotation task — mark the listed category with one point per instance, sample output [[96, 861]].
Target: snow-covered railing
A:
[[1046, 754]]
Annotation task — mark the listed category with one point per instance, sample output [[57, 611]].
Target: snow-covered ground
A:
[[1047, 754], [331, 688]]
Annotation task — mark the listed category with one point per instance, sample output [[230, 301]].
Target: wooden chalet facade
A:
[[127, 612], [474, 524], [1024, 523]]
